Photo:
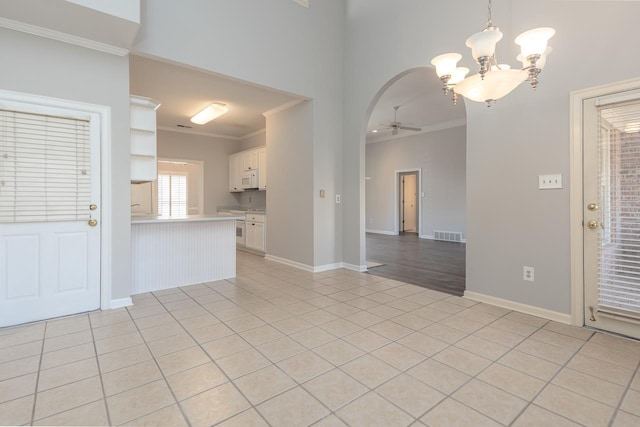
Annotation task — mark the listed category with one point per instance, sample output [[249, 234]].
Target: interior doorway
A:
[[409, 218]]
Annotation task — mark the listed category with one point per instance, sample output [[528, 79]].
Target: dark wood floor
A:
[[428, 263]]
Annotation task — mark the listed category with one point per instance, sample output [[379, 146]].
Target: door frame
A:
[[9, 99], [396, 198], [576, 202]]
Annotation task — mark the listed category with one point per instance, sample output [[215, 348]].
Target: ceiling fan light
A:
[[483, 44], [212, 111], [446, 63], [534, 42]]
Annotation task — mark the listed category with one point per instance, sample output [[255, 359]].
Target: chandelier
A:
[[493, 80]]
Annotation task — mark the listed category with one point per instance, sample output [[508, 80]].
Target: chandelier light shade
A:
[[211, 112], [493, 80]]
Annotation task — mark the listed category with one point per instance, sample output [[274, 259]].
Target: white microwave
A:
[[250, 179]]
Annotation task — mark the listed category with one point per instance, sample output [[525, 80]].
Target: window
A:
[[172, 194]]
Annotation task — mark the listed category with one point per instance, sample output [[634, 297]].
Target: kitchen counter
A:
[[145, 219], [167, 252]]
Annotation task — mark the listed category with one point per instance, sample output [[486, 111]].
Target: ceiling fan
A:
[[395, 125]]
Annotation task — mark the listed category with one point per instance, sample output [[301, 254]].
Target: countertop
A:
[[148, 219]]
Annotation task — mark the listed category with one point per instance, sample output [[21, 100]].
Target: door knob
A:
[[93, 222], [593, 224], [93, 207], [592, 207]]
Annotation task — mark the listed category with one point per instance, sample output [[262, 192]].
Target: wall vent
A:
[[447, 236]]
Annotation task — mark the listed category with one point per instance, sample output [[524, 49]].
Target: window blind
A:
[[619, 237], [172, 194], [44, 168]]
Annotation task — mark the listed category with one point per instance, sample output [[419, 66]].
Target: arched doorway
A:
[[415, 185]]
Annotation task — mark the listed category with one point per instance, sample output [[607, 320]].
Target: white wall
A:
[[280, 45], [441, 156], [49, 68], [214, 153], [509, 222]]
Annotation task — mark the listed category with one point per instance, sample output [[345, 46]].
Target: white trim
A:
[[317, 269], [522, 308], [38, 101], [62, 37], [195, 132], [396, 199], [289, 262], [575, 188], [304, 3], [257, 132], [282, 107], [120, 302], [389, 233]]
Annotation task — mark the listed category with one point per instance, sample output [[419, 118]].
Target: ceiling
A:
[[422, 105], [184, 91]]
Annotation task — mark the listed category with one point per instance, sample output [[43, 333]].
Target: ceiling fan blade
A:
[[410, 128]]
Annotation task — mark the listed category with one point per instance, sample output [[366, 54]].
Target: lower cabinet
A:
[[255, 232]]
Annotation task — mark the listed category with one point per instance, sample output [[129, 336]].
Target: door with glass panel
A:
[[611, 217], [49, 213]]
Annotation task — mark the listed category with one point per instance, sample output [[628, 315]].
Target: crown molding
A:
[[258, 132], [195, 132], [425, 129], [62, 37], [282, 107]]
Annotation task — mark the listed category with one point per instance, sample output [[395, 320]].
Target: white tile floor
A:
[[282, 347]]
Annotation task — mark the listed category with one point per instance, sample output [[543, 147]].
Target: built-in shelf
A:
[[144, 161]]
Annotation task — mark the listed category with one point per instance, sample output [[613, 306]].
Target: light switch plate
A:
[[549, 182]]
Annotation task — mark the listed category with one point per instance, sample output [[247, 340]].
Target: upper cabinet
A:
[[235, 173], [144, 164], [248, 161]]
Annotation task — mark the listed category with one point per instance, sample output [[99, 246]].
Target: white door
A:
[[611, 218], [49, 213], [408, 202]]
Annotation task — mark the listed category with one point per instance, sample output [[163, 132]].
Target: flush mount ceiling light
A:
[[211, 112], [493, 80]]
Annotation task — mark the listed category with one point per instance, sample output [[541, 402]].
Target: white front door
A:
[[611, 216], [49, 213]]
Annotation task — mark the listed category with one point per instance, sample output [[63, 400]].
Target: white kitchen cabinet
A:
[[262, 168], [255, 227], [250, 160], [235, 173], [144, 161]]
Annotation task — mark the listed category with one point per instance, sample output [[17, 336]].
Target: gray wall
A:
[[442, 157], [281, 45], [44, 67], [509, 222], [289, 165], [257, 139], [214, 152]]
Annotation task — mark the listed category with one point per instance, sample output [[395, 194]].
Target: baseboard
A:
[[316, 269], [120, 302], [388, 233], [522, 308]]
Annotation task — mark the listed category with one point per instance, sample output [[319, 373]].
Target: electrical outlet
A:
[[528, 274], [337, 198], [549, 182]]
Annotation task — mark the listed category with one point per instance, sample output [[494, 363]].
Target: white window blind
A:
[[44, 168], [172, 194], [619, 245]]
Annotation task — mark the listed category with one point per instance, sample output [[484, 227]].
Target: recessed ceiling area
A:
[[184, 91], [422, 105]]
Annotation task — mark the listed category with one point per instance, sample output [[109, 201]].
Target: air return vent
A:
[[447, 236]]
